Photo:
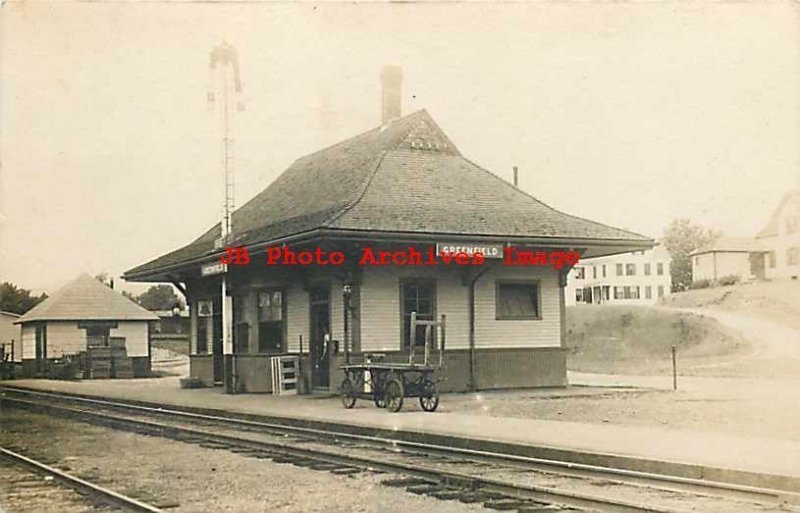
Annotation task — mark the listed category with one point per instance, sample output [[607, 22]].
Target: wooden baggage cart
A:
[[388, 384]]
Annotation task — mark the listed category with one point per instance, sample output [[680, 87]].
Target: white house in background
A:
[[724, 257], [639, 277], [780, 239], [85, 313]]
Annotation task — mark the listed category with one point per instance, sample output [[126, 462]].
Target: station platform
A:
[[744, 460]]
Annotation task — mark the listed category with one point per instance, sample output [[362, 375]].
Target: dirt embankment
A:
[[639, 340]]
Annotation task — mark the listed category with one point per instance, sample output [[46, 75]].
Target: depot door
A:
[[320, 318], [41, 348], [216, 339]]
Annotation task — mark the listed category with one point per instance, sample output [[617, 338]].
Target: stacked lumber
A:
[[98, 362], [121, 365]]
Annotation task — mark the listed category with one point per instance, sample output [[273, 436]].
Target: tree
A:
[[130, 295], [160, 297], [17, 300], [105, 279], [681, 238]]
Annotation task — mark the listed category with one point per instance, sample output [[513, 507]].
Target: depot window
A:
[[417, 296], [270, 321], [518, 300]]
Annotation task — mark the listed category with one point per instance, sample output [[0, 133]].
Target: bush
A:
[[700, 284], [67, 367], [729, 280]]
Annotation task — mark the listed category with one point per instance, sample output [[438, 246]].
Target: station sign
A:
[[213, 268], [488, 250]]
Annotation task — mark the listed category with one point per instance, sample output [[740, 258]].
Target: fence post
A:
[[674, 370]]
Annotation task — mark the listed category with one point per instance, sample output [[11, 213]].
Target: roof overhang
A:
[[588, 247]]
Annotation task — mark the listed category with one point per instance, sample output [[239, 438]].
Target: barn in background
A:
[[89, 322]]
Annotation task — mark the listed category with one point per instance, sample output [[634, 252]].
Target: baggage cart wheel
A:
[[348, 393], [429, 398], [394, 395]]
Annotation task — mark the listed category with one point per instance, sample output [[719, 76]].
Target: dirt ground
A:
[[187, 478], [766, 408]]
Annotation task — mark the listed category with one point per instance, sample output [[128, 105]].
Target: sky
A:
[[627, 114]]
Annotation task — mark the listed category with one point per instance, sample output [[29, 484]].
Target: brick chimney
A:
[[392, 99]]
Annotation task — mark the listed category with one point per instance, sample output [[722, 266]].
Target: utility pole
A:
[[225, 83]]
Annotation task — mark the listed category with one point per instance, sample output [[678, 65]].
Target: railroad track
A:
[[500, 481], [56, 490]]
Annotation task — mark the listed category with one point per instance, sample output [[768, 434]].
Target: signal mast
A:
[[225, 84]]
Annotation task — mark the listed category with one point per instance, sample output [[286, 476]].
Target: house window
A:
[[660, 268], [580, 273], [648, 292], [793, 256], [270, 321], [626, 292], [660, 291], [417, 296], [635, 292], [604, 270], [517, 300], [620, 268], [771, 258], [630, 269], [617, 292], [594, 271], [647, 269], [579, 295]]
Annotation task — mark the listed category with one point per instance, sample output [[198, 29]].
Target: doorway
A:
[[319, 349], [216, 338], [41, 348]]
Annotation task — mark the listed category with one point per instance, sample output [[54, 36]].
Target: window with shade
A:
[[270, 321], [518, 300]]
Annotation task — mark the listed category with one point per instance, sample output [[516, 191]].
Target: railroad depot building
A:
[[82, 318], [403, 184]]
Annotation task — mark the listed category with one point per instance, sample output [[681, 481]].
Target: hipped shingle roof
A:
[[405, 177], [86, 299]]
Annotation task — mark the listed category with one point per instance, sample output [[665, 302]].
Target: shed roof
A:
[[86, 299], [406, 177], [729, 245]]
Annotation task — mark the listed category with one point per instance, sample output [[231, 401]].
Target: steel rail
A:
[[447, 478], [565, 468], [104, 494]]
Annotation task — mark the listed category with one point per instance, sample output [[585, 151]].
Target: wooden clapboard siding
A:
[[493, 333], [380, 310], [380, 305], [28, 341], [135, 335], [63, 338]]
